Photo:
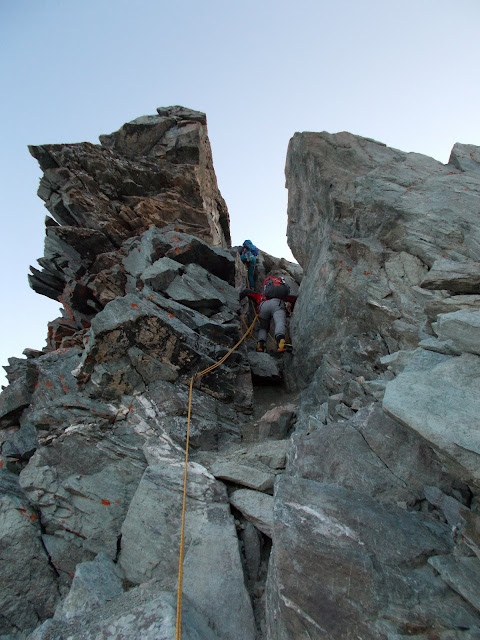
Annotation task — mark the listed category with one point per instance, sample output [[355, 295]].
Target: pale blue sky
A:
[[403, 72]]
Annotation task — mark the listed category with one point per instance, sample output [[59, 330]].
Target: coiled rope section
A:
[[178, 633]]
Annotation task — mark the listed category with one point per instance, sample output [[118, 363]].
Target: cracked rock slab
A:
[[370, 453], [82, 485], [150, 544], [244, 475], [434, 392], [94, 584], [145, 612], [24, 602], [256, 507], [461, 574], [461, 328]]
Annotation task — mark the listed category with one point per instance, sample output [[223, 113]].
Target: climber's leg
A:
[[264, 315], [251, 279], [279, 318]]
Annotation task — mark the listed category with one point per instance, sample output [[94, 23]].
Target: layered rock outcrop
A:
[[332, 491], [155, 170], [93, 427]]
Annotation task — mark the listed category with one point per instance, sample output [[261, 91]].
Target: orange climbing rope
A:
[[178, 633]]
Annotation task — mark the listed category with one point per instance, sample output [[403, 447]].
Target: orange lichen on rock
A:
[[63, 383]]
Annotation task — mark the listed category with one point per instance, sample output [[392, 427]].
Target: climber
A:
[[271, 303], [248, 255]]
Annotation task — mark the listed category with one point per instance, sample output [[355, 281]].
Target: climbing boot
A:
[[261, 346], [280, 344]]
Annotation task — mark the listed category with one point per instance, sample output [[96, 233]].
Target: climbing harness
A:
[[178, 633]]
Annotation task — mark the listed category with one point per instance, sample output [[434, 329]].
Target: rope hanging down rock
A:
[[178, 634]]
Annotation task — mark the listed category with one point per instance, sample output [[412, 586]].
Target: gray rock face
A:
[[366, 223], [82, 485], [252, 464], [133, 319], [271, 452], [150, 545], [462, 574], [161, 274], [456, 277], [387, 241], [372, 561], [137, 253], [22, 556], [373, 454], [94, 584], [433, 393], [451, 508], [15, 398], [198, 289], [212, 424], [465, 157], [461, 329], [143, 612], [256, 507]]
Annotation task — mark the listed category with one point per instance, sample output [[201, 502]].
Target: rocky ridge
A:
[[333, 491]]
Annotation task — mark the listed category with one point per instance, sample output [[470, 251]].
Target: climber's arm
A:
[[245, 292]]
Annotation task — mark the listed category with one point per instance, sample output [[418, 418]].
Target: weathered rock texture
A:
[[333, 492], [375, 526], [155, 170], [93, 428]]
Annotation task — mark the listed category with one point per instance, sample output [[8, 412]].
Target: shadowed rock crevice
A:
[[255, 549]]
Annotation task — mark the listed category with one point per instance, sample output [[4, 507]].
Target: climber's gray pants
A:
[[272, 308]]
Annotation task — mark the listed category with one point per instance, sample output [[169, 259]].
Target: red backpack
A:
[[275, 287]]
